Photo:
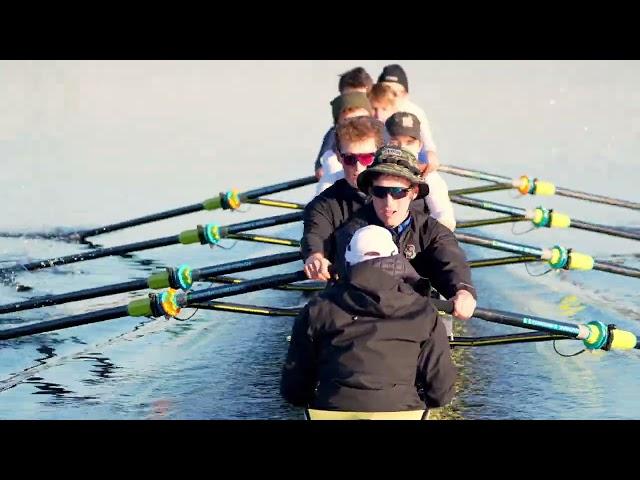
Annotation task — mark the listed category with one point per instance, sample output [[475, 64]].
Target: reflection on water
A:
[[570, 306], [104, 368]]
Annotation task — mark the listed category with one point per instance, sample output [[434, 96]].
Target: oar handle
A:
[[445, 306]]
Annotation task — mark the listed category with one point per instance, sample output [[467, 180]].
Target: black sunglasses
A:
[[396, 192]]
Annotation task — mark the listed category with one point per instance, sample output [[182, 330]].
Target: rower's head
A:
[[368, 243], [384, 101], [393, 181], [357, 140], [355, 80], [404, 130], [349, 105], [395, 78]]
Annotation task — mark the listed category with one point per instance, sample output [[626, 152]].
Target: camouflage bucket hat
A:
[[390, 160]]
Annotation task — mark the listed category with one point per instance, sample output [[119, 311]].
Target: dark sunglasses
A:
[[351, 159], [396, 192]]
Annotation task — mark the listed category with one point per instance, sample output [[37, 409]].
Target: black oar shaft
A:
[[617, 269], [74, 296], [243, 265], [615, 232], [481, 189], [529, 250], [149, 244], [60, 323], [493, 262], [477, 174], [278, 187], [244, 287], [591, 197], [196, 207], [139, 284], [289, 242], [269, 202], [522, 213], [97, 253], [493, 340], [490, 221], [124, 311], [565, 192], [248, 309], [498, 244], [264, 222], [528, 321]]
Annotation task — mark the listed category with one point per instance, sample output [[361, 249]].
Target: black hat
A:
[[403, 123], [394, 73]]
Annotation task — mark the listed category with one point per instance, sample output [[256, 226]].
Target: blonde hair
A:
[[383, 93]]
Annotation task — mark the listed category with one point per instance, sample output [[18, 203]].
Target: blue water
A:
[[88, 143]]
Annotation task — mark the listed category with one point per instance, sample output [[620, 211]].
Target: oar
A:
[[225, 200], [168, 303], [269, 202], [178, 278], [595, 335], [481, 189], [542, 217], [248, 237], [526, 185], [299, 287], [485, 341], [321, 285], [558, 257], [207, 234]]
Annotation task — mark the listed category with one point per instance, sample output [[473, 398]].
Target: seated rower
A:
[[357, 141], [394, 181], [343, 107], [385, 102], [404, 129], [355, 80], [369, 346]]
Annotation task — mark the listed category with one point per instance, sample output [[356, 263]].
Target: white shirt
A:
[[440, 207], [331, 171], [425, 127]]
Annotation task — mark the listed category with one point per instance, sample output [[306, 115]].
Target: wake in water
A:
[[64, 234]]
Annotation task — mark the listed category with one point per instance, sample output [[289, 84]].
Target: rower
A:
[[355, 80], [343, 107], [404, 129], [370, 346], [390, 95], [357, 141], [394, 181]]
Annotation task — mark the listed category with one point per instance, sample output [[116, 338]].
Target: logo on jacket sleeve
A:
[[410, 252]]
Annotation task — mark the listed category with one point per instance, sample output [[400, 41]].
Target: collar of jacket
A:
[[383, 273], [372, 218], [349, 191]]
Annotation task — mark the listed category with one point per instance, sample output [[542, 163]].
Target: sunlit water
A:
[[88, 143]]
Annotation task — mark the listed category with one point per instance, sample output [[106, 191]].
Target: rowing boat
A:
[[174, 287]]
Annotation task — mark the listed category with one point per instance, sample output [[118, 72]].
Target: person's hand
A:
[[463, 305], [316, 267], [319, 173]]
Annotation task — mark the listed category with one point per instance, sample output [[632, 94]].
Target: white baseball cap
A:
[[370, 242]]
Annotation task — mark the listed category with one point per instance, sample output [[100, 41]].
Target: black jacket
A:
[[329, 211], [325, 214], [370, 344], [431, 248]]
